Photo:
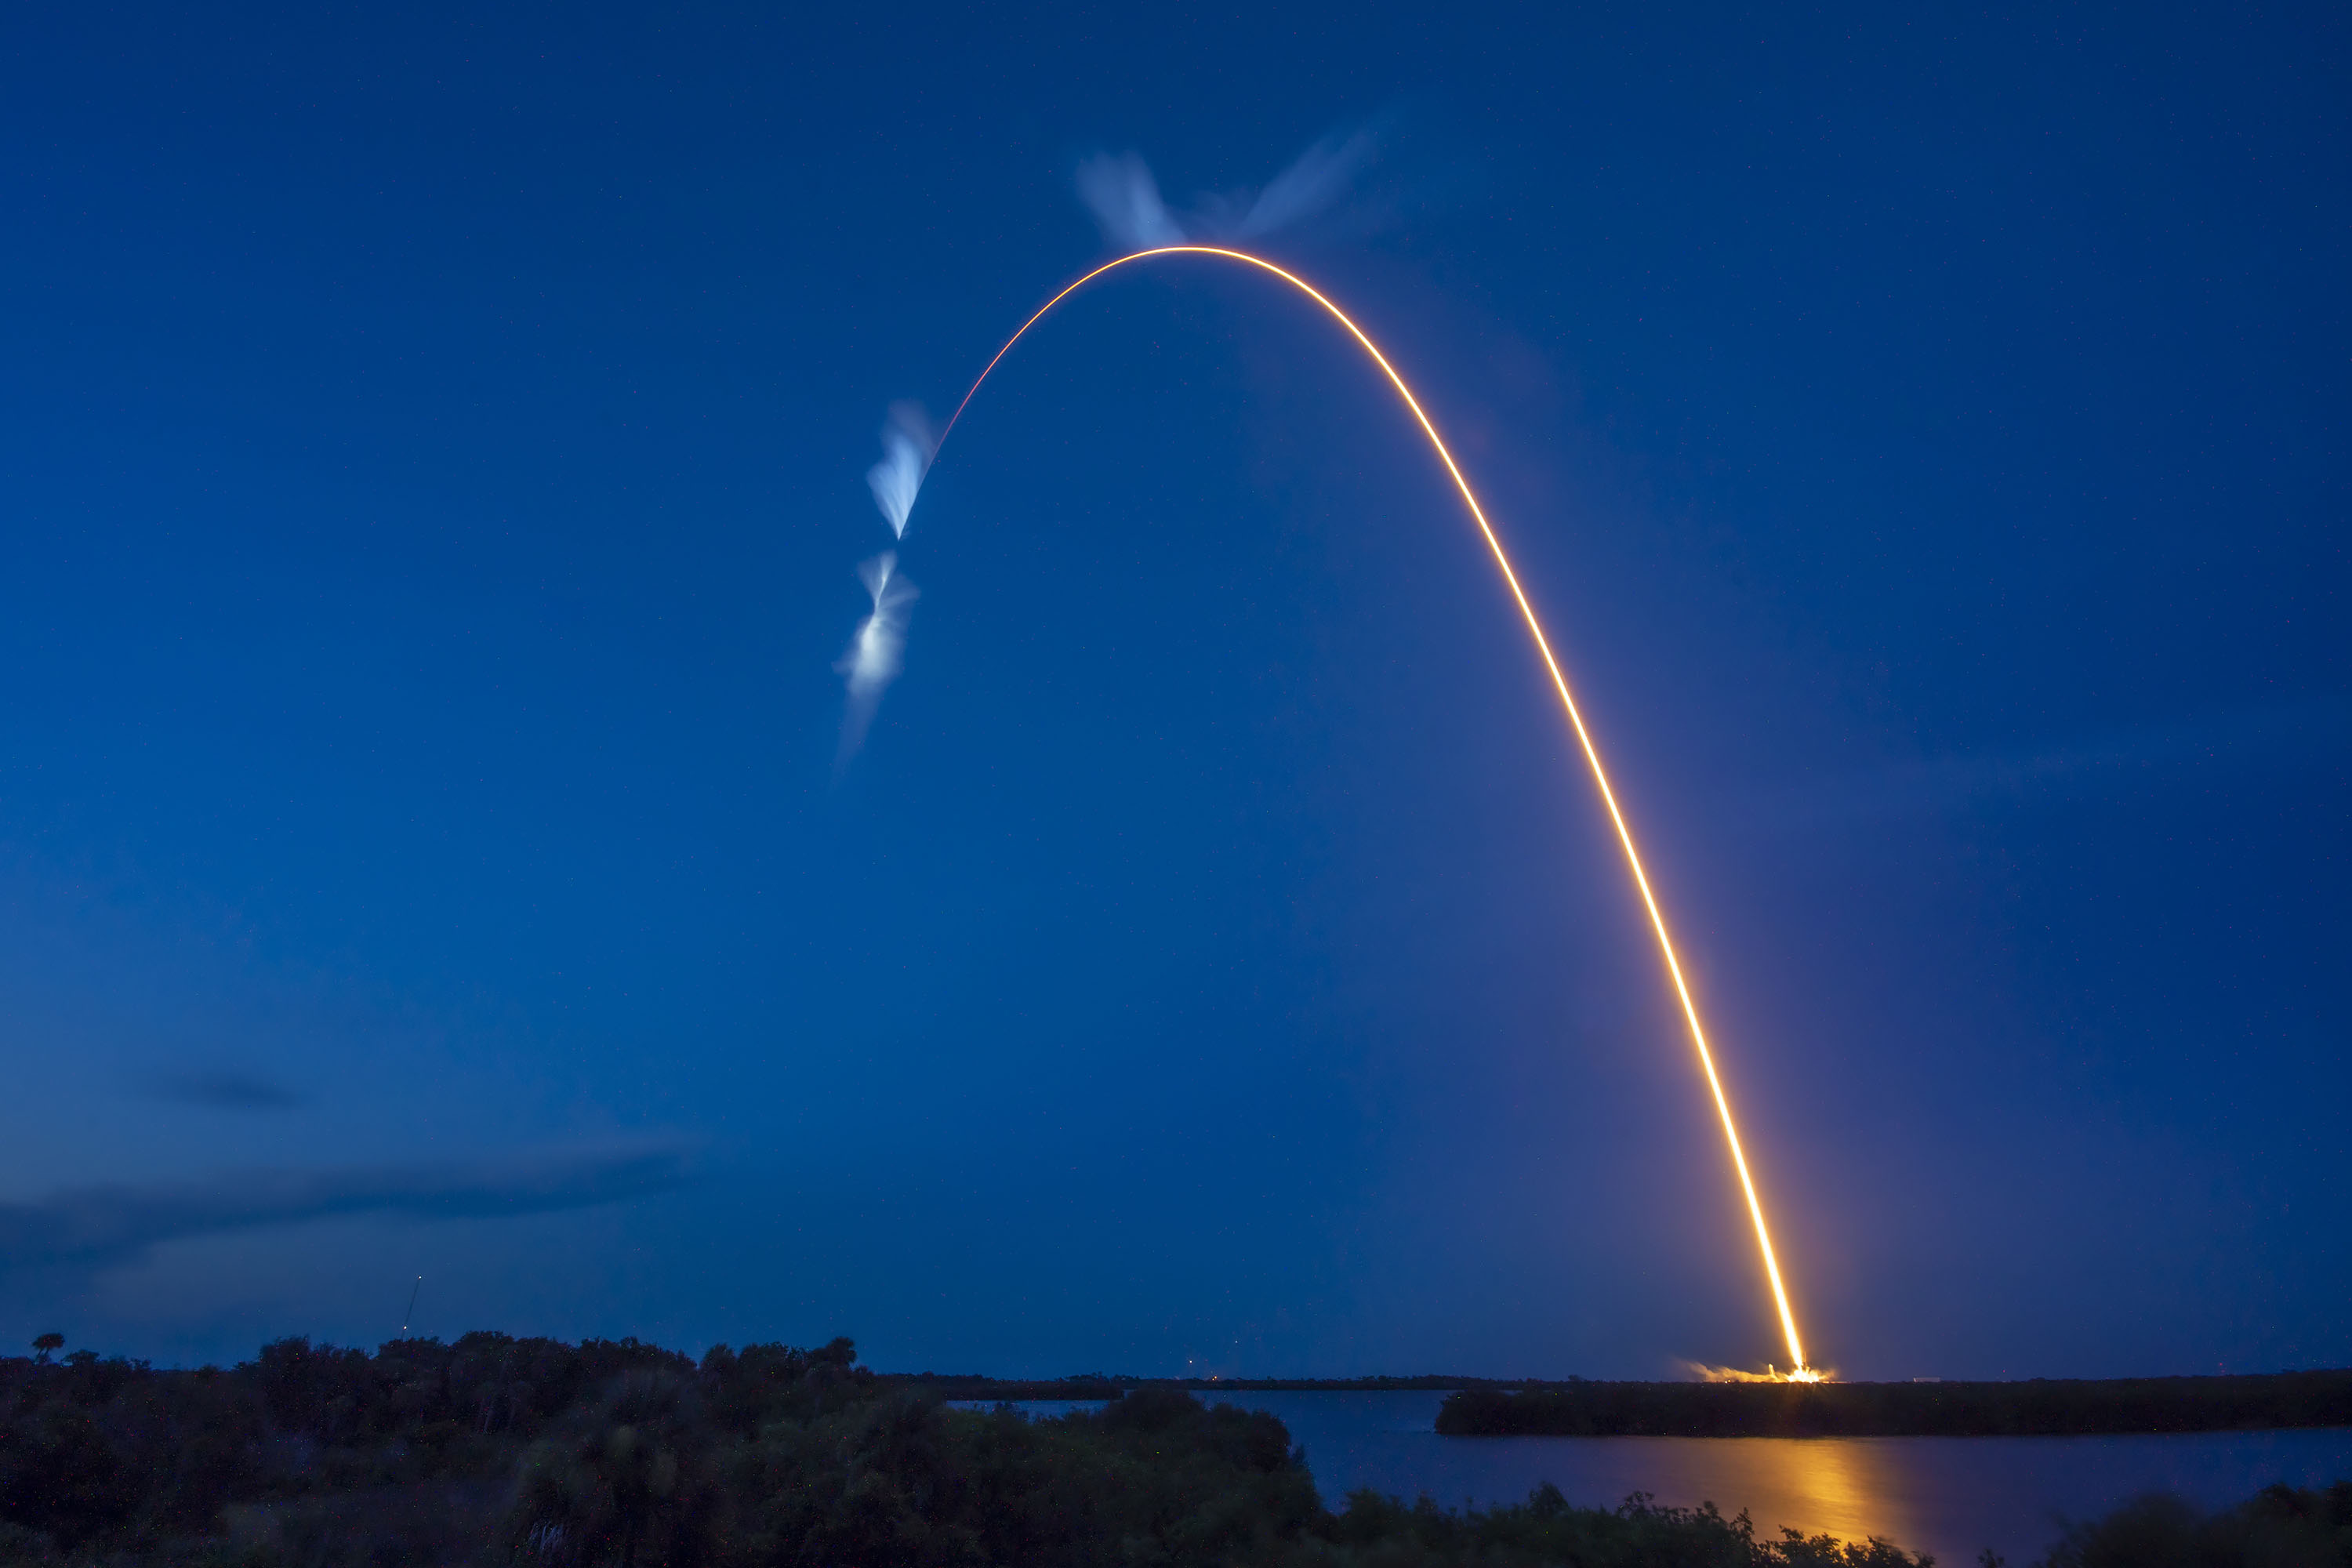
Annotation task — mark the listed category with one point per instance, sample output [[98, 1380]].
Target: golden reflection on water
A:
[[1846, 1486]]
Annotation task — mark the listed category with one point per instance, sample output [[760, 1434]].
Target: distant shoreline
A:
[[1102, 1385], [2040, 1408], [1576, 1408]]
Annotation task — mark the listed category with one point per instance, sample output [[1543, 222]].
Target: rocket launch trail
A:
[[1802, 1370]]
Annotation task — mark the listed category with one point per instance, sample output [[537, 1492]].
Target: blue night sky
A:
[[432, 484]]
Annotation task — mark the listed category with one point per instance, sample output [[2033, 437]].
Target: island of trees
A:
[[2043, 1407]]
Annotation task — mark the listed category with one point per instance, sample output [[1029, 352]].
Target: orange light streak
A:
[[1802, 1371]]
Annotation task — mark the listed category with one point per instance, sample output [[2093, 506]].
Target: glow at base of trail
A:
[[1803, 1372], [1706, 1374]]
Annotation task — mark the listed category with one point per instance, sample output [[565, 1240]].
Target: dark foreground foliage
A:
[[2038, 1408], [2281, 1528], [501, 1450]]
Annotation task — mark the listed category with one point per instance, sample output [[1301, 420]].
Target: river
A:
[[1953, 1497]]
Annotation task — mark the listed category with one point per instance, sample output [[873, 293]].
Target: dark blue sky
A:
[[431, 476]]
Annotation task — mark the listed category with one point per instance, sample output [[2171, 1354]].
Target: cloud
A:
[[101, 1225], [226, 1090], [2099, 764]]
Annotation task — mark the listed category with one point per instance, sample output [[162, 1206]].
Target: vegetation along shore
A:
[[2041, 1407], [496, 1449]]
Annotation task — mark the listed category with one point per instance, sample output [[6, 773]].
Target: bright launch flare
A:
[[1804, 1370]]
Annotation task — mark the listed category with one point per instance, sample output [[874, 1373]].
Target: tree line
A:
[[2040, 1408], [615, 1453]]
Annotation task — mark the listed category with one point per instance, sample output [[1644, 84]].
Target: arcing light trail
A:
[[1802, 1371]]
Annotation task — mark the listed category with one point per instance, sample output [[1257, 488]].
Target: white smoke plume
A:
[[878, 651], [908, 445], [1125, 201], [1313, 185]]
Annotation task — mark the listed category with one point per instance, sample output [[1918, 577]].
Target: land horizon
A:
[[490, 1447], [2026, 1408], [2306, 1397], [1449, 1383]]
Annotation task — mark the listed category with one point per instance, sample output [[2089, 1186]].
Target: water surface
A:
[[1950, 1496]]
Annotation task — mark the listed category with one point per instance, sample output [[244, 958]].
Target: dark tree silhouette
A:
[[617, 1454]]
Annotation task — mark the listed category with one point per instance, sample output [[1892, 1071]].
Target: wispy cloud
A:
[[101, 1225], [2097, 765], [226, 1090]]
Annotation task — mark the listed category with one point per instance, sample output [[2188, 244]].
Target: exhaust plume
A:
[[1126, 202], [1118, 189], [907, 443], [877, 650], [1706, 1374], [1312, 185]]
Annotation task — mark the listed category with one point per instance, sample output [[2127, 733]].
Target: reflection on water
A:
[[1950, 1496], [1852, 1489], [1849, 1489]]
